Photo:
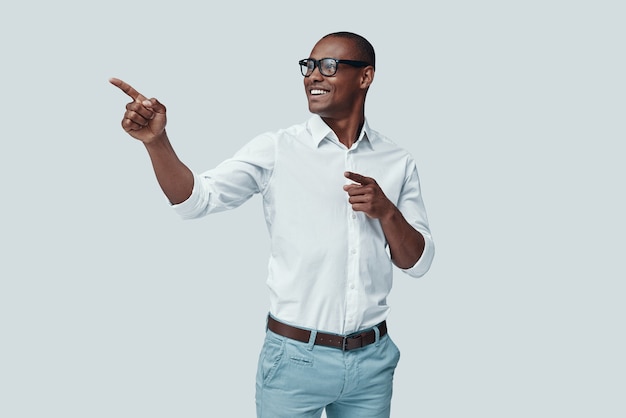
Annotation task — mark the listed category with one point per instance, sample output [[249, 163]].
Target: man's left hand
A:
[[367, 196]]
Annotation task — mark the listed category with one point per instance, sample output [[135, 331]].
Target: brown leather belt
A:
[[342, 342]]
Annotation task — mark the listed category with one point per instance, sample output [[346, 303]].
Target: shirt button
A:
[[351, 285], [353, 216], [353, 251]]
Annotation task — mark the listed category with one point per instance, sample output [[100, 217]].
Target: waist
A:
[[343, 342]]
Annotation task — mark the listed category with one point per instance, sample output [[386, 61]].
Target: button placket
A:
[[353, 259]]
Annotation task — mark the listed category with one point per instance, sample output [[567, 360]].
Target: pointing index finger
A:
[[128, 89], [358, 178]]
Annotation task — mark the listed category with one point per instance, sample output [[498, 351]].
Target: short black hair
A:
[[363, 46]]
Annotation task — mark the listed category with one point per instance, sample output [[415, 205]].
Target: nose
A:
[[316, 74]]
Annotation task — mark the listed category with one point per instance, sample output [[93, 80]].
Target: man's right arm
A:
[[145, 120]]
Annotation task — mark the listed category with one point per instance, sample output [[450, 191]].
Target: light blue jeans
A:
[[298, 380]]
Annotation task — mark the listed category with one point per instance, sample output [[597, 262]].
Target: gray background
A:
[[110, 306]]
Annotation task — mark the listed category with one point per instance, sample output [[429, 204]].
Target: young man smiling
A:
[[332, 243]]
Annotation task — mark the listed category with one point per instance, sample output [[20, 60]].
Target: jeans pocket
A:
[[392, 345], [271, 356]]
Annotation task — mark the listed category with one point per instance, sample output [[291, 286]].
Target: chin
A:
[[318, 109]]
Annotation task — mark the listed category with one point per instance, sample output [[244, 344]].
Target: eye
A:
[[329, 65]]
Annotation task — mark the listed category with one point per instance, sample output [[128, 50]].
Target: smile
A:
[[318, 92]]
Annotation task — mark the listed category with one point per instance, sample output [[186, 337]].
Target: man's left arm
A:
[[406, 244]]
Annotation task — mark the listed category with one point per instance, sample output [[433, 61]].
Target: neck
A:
[[347, 130]]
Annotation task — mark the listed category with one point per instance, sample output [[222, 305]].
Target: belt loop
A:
[[312, 340], [377, 333]]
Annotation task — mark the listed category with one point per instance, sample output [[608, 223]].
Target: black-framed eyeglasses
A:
[[327, 66]]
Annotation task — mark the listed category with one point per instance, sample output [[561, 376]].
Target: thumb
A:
[[154, 105]]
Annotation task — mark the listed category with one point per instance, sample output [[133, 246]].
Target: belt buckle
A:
[[344, 343]]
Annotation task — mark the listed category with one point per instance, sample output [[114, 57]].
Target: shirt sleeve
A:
[[233, 181], [412, 207]]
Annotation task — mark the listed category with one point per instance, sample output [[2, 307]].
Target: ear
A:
[[367, 77]]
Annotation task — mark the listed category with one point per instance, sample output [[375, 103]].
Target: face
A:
[[343, 94]]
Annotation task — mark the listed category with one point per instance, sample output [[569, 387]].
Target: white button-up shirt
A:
[[329, 266]]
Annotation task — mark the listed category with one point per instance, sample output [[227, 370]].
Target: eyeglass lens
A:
[[327, 66]]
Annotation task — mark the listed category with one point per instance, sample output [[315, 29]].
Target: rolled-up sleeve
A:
[[423, 264], [232, 182], [412, 207]]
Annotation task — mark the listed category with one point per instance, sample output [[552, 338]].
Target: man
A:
[[342, 202]]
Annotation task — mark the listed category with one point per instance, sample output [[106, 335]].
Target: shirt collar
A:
[[320, 131]]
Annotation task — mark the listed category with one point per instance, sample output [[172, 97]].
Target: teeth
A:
[[316, 92]]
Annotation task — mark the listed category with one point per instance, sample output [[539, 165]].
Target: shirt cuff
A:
[[423, 264], [191, 208]]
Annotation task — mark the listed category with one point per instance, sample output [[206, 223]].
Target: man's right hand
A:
[[144, 118]]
